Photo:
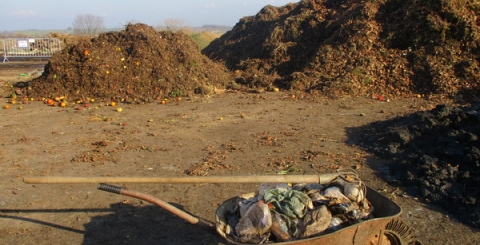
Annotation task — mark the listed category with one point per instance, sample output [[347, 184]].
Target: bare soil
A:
[[224, 133]]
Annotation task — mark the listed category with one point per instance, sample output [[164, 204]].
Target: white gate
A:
[[30, 47]]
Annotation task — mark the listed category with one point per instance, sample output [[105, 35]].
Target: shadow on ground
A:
[[126, 224], [129, 224]]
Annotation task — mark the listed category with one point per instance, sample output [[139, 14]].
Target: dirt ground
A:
[[230, 133]]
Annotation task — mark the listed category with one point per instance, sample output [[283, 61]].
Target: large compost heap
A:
[[391, 48], [138, 64], [357, 47]]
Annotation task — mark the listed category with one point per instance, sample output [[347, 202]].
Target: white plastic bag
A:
[[256, 221]]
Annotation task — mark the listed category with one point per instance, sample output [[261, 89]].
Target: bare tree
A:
[[88, 25], [174, 24]]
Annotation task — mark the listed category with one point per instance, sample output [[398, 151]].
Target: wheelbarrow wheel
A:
[[398, 232]]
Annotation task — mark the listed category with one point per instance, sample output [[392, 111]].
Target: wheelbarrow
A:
[[385, 229]]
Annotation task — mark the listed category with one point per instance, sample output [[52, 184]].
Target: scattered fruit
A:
[[63, 104], [112, 103], [6, 107], [276, 90], [59, 98], [92, 100], [119, 109]]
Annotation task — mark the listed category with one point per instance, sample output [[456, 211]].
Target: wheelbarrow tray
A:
[[358, 234]]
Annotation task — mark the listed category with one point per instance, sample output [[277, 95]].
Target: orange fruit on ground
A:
[[112, 103], [6, 106], [63, 104]]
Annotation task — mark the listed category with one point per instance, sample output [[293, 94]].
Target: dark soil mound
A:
[[357, 47], [138, 64], [436, 154]]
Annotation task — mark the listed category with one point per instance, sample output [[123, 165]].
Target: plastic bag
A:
[[279, 228], [291, 203], [264, 187], [256, 222], [314, 222]]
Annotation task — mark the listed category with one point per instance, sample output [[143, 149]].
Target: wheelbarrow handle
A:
[[165, 205], [320, 178]]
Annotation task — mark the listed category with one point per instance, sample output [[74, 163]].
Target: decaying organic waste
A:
[[136, 65], [392, 48], [285, 213]]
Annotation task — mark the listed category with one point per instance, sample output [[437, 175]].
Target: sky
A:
[[59, 14]]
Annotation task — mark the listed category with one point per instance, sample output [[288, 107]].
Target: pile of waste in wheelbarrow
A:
[[282, 212]]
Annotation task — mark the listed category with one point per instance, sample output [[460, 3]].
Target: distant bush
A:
[[88, 25]]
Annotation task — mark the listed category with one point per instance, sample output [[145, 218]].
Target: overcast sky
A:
[[59, 14]]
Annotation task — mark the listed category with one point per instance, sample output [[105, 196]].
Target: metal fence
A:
[[30, 47]]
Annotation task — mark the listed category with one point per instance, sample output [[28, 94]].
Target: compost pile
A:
[[136, 65], [436, 154], [280, 213], [392, 48]]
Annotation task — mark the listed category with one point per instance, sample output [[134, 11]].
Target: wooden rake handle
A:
[[320, 178]]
